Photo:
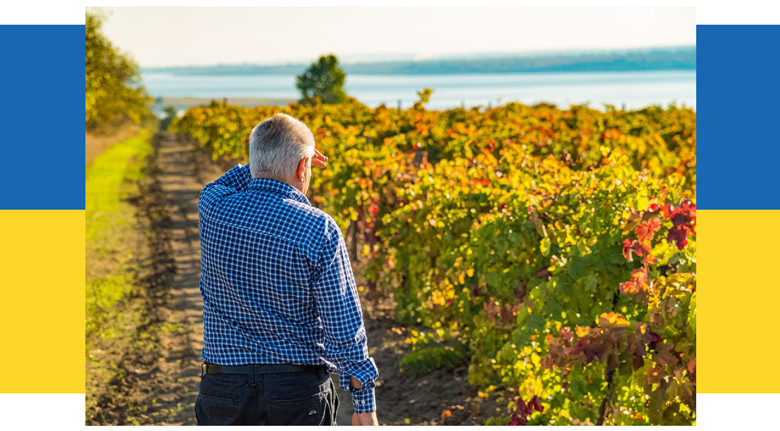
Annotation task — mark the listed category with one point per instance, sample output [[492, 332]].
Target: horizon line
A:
[[420, 58]]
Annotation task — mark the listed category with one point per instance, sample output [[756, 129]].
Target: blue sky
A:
[[210, 35]]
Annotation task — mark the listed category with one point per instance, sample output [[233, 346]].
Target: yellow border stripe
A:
[[737, 301], [42, 305], [42, 310]]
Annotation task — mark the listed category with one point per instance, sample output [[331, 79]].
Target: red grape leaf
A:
[[548, 362], [627, 250], [655, 374], [633, 246], [555, 348], [520, 404], [645, 231], [537, 405], [639, 276], [664, 354], [679, 235], [524, 408], [680, 219], [506, 314], [689, 208], [566, 335], [638, 362], [692, 366], [650, 259]]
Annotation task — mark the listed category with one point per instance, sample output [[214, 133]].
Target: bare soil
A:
[[161, 374]]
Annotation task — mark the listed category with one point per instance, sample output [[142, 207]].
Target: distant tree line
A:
[[645, 59]]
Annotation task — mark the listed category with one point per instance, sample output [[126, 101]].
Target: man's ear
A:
[[300, 173]]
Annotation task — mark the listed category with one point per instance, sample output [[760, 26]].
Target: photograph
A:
[[390, 215]]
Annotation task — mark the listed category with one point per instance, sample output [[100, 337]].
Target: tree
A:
[[114, 93], [170, 115], [323, 79]]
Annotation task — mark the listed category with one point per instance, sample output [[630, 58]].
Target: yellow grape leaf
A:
[[581, 331], [544, 247], [612, 320], [633, 221]]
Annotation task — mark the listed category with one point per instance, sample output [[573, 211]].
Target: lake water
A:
[[631, 90]]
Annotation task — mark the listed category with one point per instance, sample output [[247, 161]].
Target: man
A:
[[280, 306]]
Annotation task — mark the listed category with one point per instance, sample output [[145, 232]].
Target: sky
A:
[[157, 37]]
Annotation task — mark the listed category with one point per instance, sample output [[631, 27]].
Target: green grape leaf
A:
[[536, 322], [656, 404], [577, 268], [591, 283]]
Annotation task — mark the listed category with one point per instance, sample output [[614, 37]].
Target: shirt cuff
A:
[[363, 400], [366, 372]]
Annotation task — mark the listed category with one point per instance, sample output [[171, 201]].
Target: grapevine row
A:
[[552, 250]]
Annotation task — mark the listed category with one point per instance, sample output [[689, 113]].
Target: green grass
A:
[[109, 228], [105, 178]]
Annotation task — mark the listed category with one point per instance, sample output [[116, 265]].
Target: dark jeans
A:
[[267, 399]]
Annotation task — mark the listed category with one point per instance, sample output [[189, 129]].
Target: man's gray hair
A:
[[276, 145]]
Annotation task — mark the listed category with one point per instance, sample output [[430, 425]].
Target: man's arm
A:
[[338, 306], [233, 181]]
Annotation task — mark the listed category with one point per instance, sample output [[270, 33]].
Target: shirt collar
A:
[[278, 187]]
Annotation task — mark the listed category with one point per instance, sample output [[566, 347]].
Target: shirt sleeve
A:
[[235, 180], [339, 309]]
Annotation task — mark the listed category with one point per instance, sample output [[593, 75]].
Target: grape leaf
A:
[[578, 268], [679, 235], [664, 354], [646, 230], [680, 219]]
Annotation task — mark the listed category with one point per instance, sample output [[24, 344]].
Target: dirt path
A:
[[177, 174], [182, 170]]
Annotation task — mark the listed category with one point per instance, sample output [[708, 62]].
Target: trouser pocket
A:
[[224, 400], [299, 399], [315, 409]]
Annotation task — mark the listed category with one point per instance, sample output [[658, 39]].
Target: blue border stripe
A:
[[42, 116], [738, 118]]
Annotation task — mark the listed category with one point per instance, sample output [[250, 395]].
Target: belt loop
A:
[[254, 373]]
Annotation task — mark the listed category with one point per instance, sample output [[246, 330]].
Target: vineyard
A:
[[551, 251]]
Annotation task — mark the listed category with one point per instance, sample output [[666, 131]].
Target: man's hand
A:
[[355, 383], [367, 418], [318, 159]]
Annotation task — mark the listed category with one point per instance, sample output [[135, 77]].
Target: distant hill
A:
[[646, 59]]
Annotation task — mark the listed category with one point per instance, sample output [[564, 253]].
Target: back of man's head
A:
[[276, 145]]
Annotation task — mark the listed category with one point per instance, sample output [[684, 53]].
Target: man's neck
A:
[[298, 186]]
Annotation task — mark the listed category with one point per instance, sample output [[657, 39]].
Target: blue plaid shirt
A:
[[277, 283]]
